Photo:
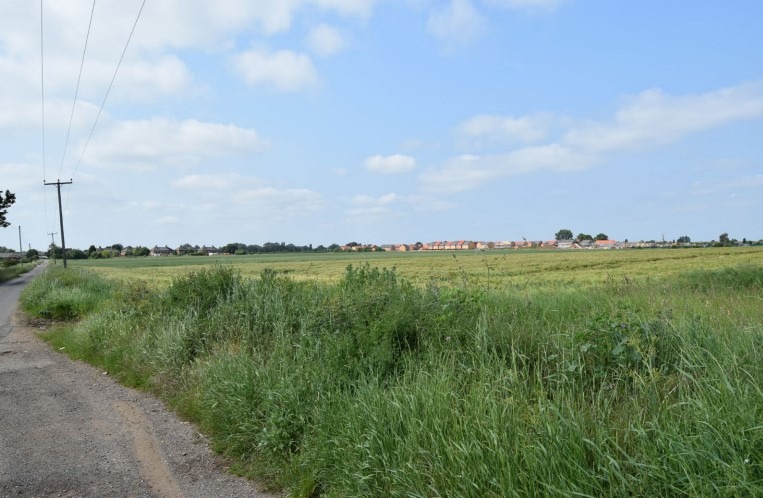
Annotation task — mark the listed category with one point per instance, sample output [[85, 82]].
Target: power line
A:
[[76, 92], [42, 99], [87, 142]]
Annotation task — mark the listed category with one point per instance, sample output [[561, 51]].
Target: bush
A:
[[64, 294]]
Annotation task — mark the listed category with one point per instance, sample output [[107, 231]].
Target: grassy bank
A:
[[373, 386], [13, 271]]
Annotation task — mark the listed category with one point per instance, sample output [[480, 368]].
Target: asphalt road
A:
[[69, 430], [9, 297]]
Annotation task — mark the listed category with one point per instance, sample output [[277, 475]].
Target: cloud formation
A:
[[283, 70], [151, 143], [325, 40], [396, 163], [455, 24], [649, 119]]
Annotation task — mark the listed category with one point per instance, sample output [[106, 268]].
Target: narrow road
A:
[[9, 297], [69, 430]]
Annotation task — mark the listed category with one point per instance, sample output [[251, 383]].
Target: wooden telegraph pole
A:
[[60, 216]]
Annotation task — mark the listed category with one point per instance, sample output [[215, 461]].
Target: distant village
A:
[[446, 245], [582, 242]]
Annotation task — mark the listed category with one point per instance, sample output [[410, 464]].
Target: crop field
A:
[[489, 270]]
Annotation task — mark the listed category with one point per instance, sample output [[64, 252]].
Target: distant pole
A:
[[20, 246], [61, 217], [53, 245]]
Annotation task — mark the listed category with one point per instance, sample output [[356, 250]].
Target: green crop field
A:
[[493, 270]]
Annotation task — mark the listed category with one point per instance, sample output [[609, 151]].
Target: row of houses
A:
[[182, 250], [466, 245]]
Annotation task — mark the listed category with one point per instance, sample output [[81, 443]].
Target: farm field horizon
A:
[[490, 270]]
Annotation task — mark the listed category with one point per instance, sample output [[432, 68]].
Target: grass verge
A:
[[11, 272]]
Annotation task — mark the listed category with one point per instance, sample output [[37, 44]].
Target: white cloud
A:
[[203, 182], [147, 144], [395, 163], [216, 182], [469, 172], [653, 117], [531, 128], [650, 118], [736, 184], [459, 174], [18, 175], [271, 203], [325, 40], [529, 5], [284, 69], [166, 220], [365, 205], [456, 24]]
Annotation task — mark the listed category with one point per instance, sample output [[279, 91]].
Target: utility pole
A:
[[53, 245], [61, 215], [20, 247]]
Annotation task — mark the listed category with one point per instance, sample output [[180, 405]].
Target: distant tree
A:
[[233, 247], [141, 251], [321, 248], [724, 240], [334, 247], [584, 236], [6, 200], [564, 234], [117, 247], [683, 239], [352, 244], [602, 236], [32, 254], [75, 254], [55, 251]]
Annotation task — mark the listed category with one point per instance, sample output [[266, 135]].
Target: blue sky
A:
[[383, 121]]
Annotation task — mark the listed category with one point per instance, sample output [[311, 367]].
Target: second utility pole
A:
[[60, 216]]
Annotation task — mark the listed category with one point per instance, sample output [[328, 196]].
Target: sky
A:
[[380, 121]]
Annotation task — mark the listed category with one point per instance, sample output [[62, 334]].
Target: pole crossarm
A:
[[58, 184]]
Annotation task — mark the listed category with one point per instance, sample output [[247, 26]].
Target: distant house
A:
[[161, 251], [126, 251], [185, 249], [605, 244], [565, 244], [485, 245], [209, 250], [585, 244]]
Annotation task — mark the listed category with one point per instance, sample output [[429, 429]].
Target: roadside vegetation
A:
[[13, 270], [376, 385]]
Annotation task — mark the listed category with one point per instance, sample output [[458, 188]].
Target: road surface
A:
[[69, 430]]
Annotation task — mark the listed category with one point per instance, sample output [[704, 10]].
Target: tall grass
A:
[[376, 387], [11, 271]]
